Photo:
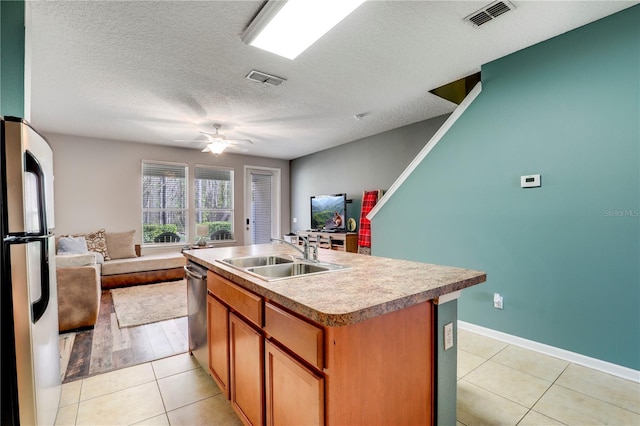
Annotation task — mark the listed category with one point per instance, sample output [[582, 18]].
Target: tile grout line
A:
[[593, 396], [75, 421], [164, 406], [484, 361], [529, 409], [552, 384], [498, 395], [543, 394]]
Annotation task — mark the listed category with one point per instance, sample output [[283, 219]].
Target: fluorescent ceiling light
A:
[[287, 28]]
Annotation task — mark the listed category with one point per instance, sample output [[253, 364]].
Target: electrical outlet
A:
[[497, 301], [448, 336]]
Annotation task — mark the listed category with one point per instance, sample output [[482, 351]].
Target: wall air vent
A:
[[489, 12], [262, 77]]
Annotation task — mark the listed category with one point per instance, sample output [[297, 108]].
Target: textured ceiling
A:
[[154, 71]]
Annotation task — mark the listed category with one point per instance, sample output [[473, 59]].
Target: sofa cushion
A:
[[148, 262], [75, 260], [72, 245], [96, 242], [120, 245]]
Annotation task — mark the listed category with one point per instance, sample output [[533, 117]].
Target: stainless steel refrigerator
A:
[[29, 353]]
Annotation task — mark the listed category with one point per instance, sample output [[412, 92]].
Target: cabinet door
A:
[[218, 337], [294, 393], [247, 371]]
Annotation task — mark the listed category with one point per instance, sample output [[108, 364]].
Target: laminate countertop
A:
[[371, 287]]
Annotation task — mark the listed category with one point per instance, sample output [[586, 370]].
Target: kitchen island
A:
[[352, 346]]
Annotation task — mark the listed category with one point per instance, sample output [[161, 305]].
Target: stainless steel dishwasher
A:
[[197, 312]]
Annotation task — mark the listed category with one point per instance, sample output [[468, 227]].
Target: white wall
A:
[[98, 182]]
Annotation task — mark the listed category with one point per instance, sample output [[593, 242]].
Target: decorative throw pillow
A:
[[96, 242], [72, 245], [120, 244]]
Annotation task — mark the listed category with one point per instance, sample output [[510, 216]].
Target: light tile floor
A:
[[508, 385], [170, 391], [497, 384]]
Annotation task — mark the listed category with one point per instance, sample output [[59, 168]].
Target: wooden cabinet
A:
[[294, 393], [333, 240], [237, 298], [284, 369], [218, 337], [380, 371], [236, 346], [246, 347], [301, 337]]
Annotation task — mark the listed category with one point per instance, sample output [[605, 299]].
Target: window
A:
[[214, 202], [164, 202]]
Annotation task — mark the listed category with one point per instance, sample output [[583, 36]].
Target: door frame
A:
[[275, 201]]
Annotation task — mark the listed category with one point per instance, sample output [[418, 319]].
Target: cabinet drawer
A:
[[301, 337], [240, 300]]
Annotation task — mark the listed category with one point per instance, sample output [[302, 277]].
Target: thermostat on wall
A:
[[530, 181]]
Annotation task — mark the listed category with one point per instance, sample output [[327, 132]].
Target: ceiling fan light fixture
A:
[[287, 28], [217, 147]]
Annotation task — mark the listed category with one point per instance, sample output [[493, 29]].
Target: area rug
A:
[[146, 304]]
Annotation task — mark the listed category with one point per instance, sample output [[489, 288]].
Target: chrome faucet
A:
[[306, 248]]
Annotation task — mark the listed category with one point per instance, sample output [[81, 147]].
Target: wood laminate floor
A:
[[107, 347]]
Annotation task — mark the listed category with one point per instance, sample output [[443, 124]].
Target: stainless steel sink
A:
[[251, 261], [274, 267], [287, 270]]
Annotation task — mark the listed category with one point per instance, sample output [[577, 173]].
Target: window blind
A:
[[261, 207], [163, 186], [213, 189], [164, 202]]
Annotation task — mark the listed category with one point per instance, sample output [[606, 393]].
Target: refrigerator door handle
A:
[[33, 166], [38, 307]]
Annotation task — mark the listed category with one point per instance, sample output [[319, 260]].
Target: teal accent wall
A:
[[565, 256], [12, 58], [446, 365]]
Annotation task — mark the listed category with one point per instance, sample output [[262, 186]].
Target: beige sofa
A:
[[78, 279], [150, 268], [108, 260]]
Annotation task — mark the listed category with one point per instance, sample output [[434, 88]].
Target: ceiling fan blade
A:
[[235, 148], [212, 137], [206, 149], [239, 141]]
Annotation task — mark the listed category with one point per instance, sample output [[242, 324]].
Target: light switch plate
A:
[[530, 181], [448, 336]]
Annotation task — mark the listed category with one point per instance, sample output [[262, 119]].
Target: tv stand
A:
[[344, 241]]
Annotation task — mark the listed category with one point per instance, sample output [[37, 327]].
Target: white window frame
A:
[[185, 210], [231, 170]]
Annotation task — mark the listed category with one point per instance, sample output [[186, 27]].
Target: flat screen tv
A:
[[329, 212]]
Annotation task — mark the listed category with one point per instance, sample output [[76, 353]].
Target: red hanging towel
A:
[[369, 200]]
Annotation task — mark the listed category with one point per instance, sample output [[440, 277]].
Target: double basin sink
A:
[[276, 267]]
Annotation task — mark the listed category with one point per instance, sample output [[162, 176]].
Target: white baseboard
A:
[[596, 364]]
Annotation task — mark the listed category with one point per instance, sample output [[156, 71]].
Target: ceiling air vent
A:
[[262, 77], [490, 12]]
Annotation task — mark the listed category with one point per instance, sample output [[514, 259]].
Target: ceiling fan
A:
[[217, 143]]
